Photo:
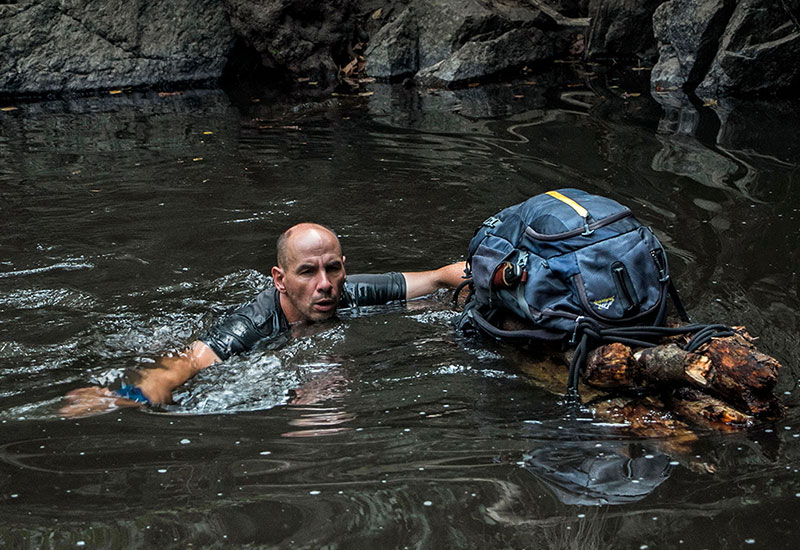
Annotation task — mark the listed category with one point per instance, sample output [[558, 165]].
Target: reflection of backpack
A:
[[587, 477], [576, 267]]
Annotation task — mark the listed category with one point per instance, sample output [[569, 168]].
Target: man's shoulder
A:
[[239, 331], [261, 309]]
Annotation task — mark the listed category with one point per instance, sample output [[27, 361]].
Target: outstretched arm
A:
[[420, 283], [156, 383]]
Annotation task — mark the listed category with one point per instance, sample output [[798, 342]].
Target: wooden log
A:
[[701, 408], [735, 380], [729, 368]]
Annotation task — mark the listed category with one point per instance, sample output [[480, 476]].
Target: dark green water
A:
[[130, 221]]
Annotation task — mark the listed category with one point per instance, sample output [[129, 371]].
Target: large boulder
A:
[[455, 41], [688, 33], [727, 47], [72, 45], [758, 52]]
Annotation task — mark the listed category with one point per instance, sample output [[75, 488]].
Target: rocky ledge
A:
[[711, 47]]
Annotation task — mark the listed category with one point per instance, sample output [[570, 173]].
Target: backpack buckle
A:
[[586, 230], [574, 339], [491, 222]]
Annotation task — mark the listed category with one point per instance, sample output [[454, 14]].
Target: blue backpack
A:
[[579, 268]]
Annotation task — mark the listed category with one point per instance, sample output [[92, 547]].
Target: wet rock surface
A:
[[715, 48], [721, 47], [454, 42], [74, 45]]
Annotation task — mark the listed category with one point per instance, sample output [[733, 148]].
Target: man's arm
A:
[[156, 383], [420, 283]]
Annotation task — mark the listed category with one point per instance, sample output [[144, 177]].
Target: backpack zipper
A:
[[580, 230]]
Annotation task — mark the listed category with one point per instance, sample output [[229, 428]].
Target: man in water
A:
[[310, 285]]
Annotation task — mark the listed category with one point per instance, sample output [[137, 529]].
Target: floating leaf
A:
[[365, 94], [474, 84], [114, 92], [518, 96], [377, 13], [169, 94], [530, 83], [197, 158], [208, 133], [7, 109], [350, 67], [642, 69]]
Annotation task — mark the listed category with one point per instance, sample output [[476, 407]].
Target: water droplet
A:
[[185, 441], [313, 492], [427, 503]]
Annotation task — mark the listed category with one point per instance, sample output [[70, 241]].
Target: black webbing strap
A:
[[524, 334], [676, 299]]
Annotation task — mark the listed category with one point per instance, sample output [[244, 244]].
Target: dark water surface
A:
[[130, 222]]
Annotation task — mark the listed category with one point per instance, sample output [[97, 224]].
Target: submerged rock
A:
[[72, 45]]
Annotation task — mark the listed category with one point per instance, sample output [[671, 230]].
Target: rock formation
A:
[[72, 45]]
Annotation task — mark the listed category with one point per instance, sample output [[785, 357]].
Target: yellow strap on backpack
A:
[[582, 212]]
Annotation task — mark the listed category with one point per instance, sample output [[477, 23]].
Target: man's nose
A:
[[324, 284]]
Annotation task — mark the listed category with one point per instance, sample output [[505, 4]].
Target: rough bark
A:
[[730, 369]]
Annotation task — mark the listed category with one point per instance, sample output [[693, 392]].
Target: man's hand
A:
[[93, 401], [156, 383]]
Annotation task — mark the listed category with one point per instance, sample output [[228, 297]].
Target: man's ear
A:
[[277, 278]]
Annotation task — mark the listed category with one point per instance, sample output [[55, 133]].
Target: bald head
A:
[[305, 235], [310, 273]]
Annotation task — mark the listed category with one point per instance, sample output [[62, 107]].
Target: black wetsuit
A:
[[263, 318]]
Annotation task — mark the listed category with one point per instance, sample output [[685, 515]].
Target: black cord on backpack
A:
[[588, 332]]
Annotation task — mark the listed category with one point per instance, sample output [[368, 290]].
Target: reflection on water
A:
[[133, 221]]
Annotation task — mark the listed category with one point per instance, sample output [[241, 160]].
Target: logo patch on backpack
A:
[[604, 303]]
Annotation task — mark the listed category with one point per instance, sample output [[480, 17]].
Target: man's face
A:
[[310, 284]]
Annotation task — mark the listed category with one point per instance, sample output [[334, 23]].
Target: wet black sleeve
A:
[[373, 290], [247, 325]]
